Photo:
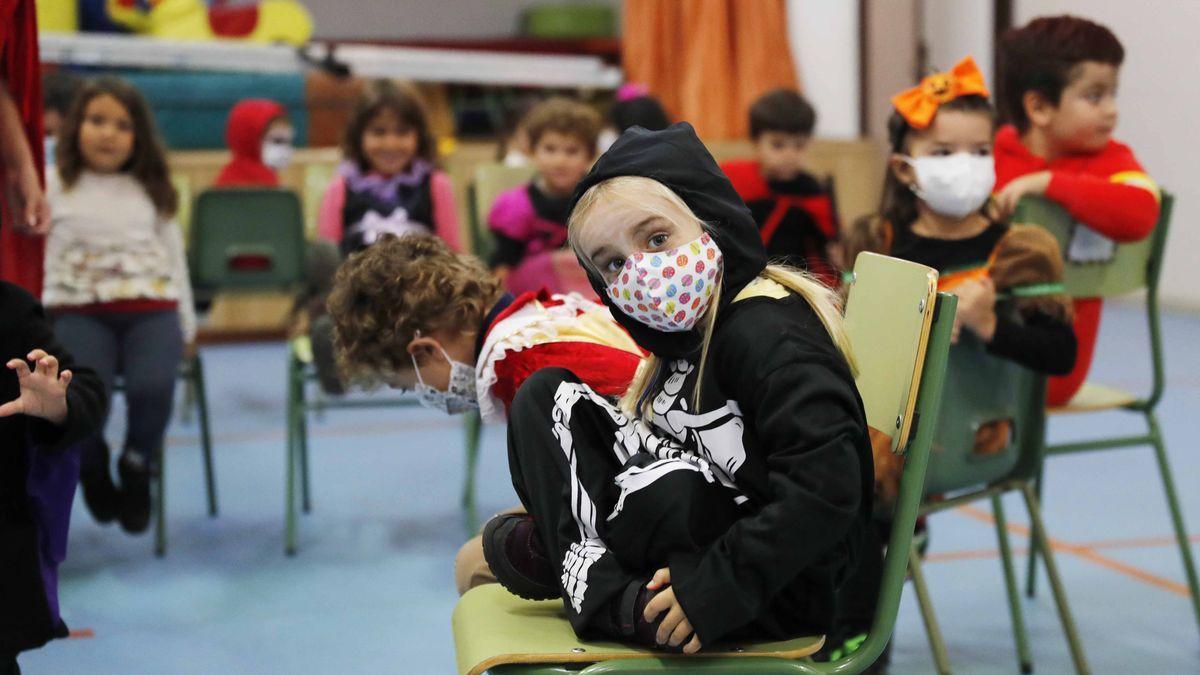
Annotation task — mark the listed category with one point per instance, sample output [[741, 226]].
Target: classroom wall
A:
[[824, 41], [953, 29], [420, 19]]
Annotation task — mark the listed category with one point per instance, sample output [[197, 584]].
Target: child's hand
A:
[[1004, 202], [675, 627], [977, 307], [43, 390]]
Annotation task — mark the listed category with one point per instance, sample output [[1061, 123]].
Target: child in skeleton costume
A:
[[730, 492], [411, 312]]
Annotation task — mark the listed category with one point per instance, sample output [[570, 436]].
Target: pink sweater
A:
[[445, 214]]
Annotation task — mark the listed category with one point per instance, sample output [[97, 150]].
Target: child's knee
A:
[[470, 568]]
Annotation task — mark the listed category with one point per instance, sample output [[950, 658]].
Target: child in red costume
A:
[[260, 136], [1059, 82], [793, 209]]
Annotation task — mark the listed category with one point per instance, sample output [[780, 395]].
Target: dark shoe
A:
[[135, 492], [514, 551], [626, 619], [99, 492]]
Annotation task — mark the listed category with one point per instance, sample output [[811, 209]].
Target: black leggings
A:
[[610, 498]]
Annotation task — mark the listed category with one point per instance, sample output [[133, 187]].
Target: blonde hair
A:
[[635, 190]]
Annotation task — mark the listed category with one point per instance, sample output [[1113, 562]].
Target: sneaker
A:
[[135, 492], [626, 620], [514, 551], [99, 492]]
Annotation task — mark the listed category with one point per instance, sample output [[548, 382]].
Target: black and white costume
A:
[[758, 499]]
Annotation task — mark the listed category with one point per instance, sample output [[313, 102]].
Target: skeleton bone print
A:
[[708, 443]]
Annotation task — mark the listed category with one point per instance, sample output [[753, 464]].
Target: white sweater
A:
[[108, 243]]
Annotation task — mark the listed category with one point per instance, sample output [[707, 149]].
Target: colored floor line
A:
[[1085, 553], [1103, 544]]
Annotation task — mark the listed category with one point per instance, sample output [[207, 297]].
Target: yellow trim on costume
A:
[[762, 287], [1137, 179], [596, 328]]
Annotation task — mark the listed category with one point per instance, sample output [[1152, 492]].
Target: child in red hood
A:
[[260, 135]]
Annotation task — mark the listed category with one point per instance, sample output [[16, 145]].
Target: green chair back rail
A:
[[490, 180]]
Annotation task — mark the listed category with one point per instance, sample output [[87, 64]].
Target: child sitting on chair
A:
[[413, 314], [530, 222], [260, 135], [1059, 85], [794, 210]]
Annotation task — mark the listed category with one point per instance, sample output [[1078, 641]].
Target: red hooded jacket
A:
[[248, 122]]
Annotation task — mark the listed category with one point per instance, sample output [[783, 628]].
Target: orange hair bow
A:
[[918, 105]]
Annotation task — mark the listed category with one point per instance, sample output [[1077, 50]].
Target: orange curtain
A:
[[707, 60]]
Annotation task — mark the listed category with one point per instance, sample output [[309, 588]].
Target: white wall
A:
[[1159, 99], [956, 28], [420, 19], [824, 41]]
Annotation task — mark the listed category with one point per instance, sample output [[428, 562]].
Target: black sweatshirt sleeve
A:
[[86, 398], [508, 251], [801, 405], [1038, 342]]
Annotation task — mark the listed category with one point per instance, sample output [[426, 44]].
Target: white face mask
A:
[[277, 154], [956, 185], [458, 398], [669, 290]]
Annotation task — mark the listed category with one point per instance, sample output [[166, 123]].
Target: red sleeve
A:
[[607, 370], [1119, 211], [747, 179]]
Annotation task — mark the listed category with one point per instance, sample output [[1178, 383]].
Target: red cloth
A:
[[607, 370], [1083, 185], [131, 305], [770, 208], [248, 122], [20, 255]]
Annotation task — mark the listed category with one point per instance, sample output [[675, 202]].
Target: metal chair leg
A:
[[158, 484], [1010, 585], [472, 429], [1056, 586], [201, 393], [936, 643], [1032, 556], [289, 510], [302, 445], [1181, 533]]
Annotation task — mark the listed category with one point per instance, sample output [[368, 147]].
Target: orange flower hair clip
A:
[[918, 105]]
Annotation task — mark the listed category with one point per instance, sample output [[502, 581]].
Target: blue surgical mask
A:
[[458, 398]]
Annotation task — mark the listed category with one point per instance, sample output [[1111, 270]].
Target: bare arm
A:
[[23, 188]]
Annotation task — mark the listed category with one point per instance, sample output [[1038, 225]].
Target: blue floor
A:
[[371, 589]]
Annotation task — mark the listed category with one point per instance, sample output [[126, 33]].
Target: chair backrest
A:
[[489, 181], [247, 238], [1132, 266], [877, 317], [979, 389], [888, 313]]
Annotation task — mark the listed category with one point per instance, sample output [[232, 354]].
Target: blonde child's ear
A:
[[1037, 109], [901, 169]]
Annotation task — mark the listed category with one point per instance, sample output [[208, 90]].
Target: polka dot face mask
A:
[[669, 290]]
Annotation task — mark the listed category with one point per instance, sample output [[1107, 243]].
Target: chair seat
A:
[[493, 627], [1094, 398]]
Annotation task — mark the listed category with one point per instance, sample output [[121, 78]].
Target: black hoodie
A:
[[780, 420]]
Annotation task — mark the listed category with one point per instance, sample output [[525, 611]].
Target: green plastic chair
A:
[[489, 181], [1134, 267], [980, 389], [301, 375], [900, 333], [247, 239]]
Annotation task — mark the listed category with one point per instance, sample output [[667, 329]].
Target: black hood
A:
[[676, 158]]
